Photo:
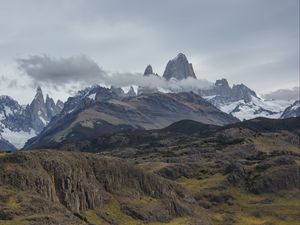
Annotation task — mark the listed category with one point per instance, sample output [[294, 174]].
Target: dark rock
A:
[[179, 68], [275, 179], [84, 181], [236, 174], [176, 171], [148, 71]]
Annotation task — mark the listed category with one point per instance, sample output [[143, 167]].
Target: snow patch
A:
[[18, 139], [92, 96], [8, 111]]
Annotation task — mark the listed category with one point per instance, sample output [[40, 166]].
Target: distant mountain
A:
[[98, 110], [144, 90], [19, 123], [242, 102], [148, 70], [292, 111], [238, 100], [179, 68]]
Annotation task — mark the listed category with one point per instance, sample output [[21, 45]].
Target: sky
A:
[[65, 45]]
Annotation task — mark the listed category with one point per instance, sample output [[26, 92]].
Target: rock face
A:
[[222, 92], [148, 71], [179, 68], [276, 179], [38, 111], [82, 182], [292, 111], [19, 123]]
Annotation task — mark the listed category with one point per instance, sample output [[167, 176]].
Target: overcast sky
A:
[[255, 42]]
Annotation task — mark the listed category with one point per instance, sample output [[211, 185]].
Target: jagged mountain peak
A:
[[180, 55], [148, 70], [39, 90], [179, 68], [131, 92], [19, 123]]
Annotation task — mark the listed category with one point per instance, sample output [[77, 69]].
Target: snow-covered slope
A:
[[242, 102], [292, 111], [257, 107]]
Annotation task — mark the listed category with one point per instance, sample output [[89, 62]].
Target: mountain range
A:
[[238, 100], [102, 110], [112, 157]]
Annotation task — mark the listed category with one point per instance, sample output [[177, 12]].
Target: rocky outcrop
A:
[[81, 182], [275, 179], [179, 68], [176, 171], [236, 174]]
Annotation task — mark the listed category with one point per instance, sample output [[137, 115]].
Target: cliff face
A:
[[179, 68], [82, 182]]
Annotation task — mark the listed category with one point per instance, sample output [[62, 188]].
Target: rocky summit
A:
[[148, 71], [179, 68]]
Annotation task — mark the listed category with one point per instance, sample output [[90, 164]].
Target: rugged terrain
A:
[[51, 187], [186, 173]]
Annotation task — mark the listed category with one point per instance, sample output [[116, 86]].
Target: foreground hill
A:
[[99, 111], [50, 187], [245, 173]]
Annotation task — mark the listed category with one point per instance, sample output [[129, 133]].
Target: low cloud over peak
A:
[[82, 70]]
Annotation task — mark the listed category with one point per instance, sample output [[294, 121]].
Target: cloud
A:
[[61, 71], [284, 94], [244, 40], [82, 71]]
